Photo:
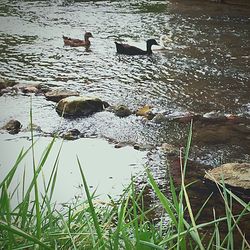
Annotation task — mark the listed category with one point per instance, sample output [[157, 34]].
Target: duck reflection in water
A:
[[164, 41]]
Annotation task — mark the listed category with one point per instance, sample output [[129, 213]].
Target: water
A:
[[204, 68], [107, 170]]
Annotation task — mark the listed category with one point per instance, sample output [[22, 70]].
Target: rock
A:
[[120, 145], [26, 88], [34, 128], [4, 83], [72, 134], [13, 126], [145, 111], [58, 94], [80, 106], [233, 174], [213, 114], [159, 118], [143, 147], [187, 118], [137, 147], [122, 111]]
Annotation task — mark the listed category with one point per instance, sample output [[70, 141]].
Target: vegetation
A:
[[35, 222]]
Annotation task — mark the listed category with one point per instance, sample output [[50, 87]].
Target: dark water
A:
[[204, 68]]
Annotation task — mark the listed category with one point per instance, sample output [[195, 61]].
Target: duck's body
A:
[[77, 42], [127, 49]]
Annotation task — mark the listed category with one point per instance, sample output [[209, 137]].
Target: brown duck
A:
[[77, 42]]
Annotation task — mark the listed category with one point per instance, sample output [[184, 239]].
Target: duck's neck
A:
[[87, 41], [149, 49]]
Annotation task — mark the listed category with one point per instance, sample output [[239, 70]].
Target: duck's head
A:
[[151, 42], [88, 35]]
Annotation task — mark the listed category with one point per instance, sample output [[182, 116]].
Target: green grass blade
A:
[[18, 231], [194, 234], [135, 216], [38, 212], [39, 168], [68, 230], [203, 206], [167, 205], [92, 209], [53, 175], [188, 146], [6, 203], [150, 245], [9, 176], [119, 224]]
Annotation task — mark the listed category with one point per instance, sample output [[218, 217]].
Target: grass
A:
[[36, 223]]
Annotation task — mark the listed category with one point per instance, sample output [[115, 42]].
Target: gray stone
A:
[[34, 128], [13, 126], [233, 174], [159, 118], [26, 88], [72, 134], [122, 111], [5, 84], [80, 106], [58, 94]]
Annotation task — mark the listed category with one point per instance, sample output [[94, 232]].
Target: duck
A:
[[77, 42], [127, 49]]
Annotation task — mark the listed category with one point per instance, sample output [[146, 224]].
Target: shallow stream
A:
[[204, 68]]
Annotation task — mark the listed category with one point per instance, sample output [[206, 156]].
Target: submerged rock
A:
[[59, 94], [233, 174], [80, 106], [146, 112], [159, 118], [26, 88], [72, 134], [122, 111], [4, 83], [34, 127], [13, 126], [226, 130]]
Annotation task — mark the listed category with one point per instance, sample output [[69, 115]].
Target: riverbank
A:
[[118, 223]]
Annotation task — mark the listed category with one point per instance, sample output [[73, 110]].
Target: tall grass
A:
[[35, 222]]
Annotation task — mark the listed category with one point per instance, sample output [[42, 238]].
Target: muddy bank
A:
[[211, 133], [202, 191], [211, 7]]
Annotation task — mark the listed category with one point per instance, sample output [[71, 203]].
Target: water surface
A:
[[204, 68]]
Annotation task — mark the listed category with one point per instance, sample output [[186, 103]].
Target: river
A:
[[204, 68]]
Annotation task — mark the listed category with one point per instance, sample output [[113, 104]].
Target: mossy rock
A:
[[145, 111], [122, 111], [78, 106], [12, 126]]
